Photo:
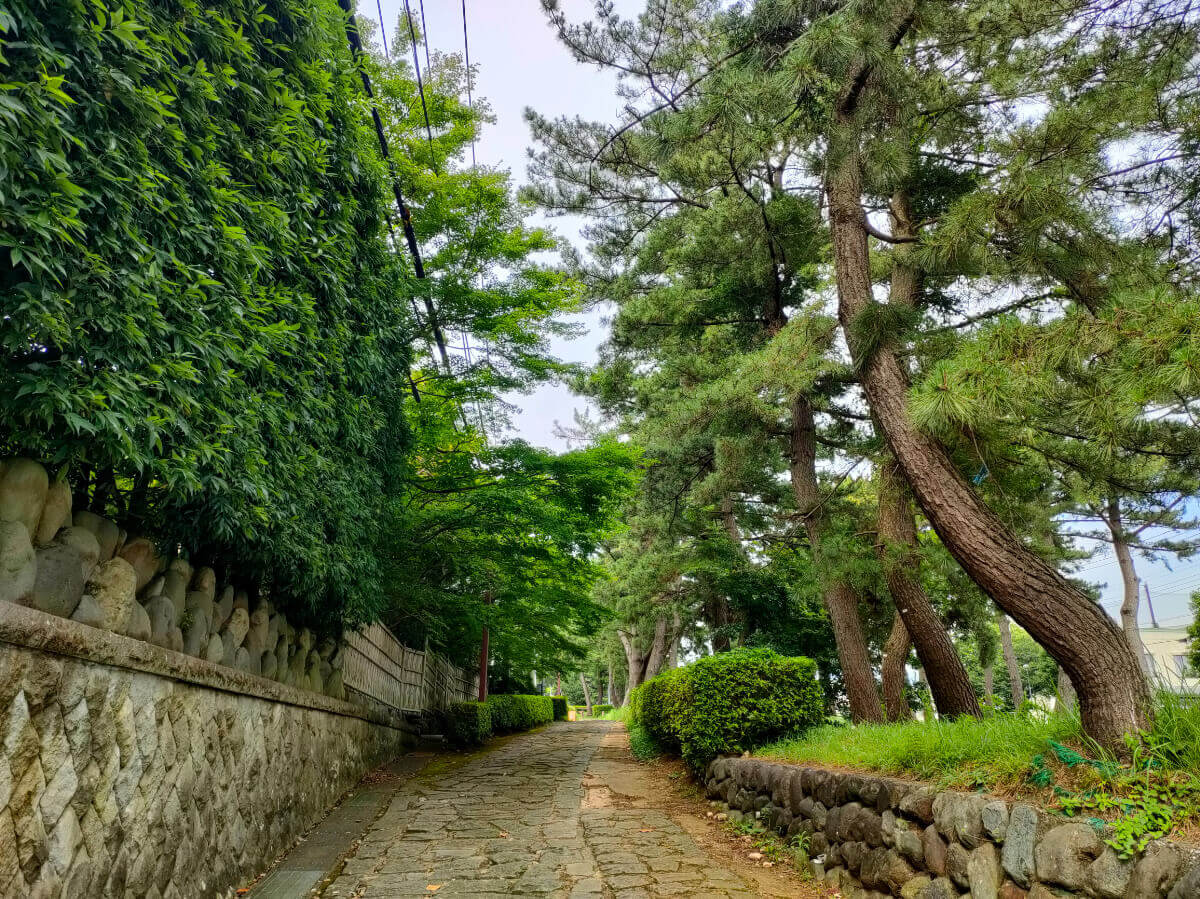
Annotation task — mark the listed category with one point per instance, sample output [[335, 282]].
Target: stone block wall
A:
[[82, 566], [876, 837], [129, 770]]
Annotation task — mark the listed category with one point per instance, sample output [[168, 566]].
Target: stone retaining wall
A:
[[127, 769], [82, 566], [876, 837]]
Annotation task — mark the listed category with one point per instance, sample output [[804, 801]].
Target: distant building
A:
[[1168, 651]]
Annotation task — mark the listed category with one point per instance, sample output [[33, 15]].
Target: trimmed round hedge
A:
[[728, 703]]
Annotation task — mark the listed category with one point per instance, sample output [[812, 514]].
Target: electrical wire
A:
[[412, 33], [467, 63]]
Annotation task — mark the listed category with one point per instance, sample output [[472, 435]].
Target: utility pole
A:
[[483, 653], [1150, 605]]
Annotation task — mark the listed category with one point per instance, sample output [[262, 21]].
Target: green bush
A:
[[601, 709], [560, 707], [728, 703], [468, 723], [200, 306], [515, 712]]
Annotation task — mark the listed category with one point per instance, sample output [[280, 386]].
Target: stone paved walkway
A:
[[541, 814]]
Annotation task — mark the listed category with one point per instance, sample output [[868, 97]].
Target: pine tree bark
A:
[[1114, 697], [1066, 693], [587, 694], [1015, 685], [635, 659], [891, 672], [1131, 597], [658, 649], [840, 598], [952, 692]]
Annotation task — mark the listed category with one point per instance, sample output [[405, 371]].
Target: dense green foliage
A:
[[728, 703], [468, 723], [202, 320], [1016, 280], [560, 707], [515, 712], [212, 331]]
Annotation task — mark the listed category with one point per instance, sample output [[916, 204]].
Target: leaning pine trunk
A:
[[587, 694], [948, 680], [1132, 597], [1016, 686], [840, 599], [891, 673], [1113, 695]]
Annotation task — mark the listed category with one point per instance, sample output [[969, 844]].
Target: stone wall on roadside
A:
[[875, 837], [130, 770], [81, 566]]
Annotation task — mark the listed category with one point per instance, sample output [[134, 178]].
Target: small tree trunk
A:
[[840, 599], [948, 680], [676, 637], [1131, 598], [636, 661], [1113, 693], [1010, 661], [658, 649], [895, 654], [483, 666], [1066, 692], [609, 692], [989, 681], [587, 694]]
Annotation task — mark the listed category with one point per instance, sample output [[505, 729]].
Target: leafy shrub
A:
[[728, 703], [560, 707], [601, 708], [200, 310], [516, 712], [468, 723]]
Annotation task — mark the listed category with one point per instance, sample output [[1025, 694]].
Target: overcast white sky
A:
[[522, 64]]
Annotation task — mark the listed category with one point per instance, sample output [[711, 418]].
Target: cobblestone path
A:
[[541, 814]]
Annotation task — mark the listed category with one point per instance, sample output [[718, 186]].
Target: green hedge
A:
[[468, 723], [560, 707], [200, 309], [512, 713], [602, 708], [728, 703]]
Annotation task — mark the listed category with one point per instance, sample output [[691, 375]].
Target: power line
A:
[[412, 32], [356, 51], [383, 31], [467, 62], [425, 35]]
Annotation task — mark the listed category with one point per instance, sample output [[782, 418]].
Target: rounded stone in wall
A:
[[107, 534], [18, 564], [23, 486], [142, 554], [88, 612], [56, 512], [162, 620], [113, 585], [137, 625], [62, 570]]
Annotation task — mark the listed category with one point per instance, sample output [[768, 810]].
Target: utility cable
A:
[[412, 32]]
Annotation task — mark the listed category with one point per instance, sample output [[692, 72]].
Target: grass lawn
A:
[[1152, 792]]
